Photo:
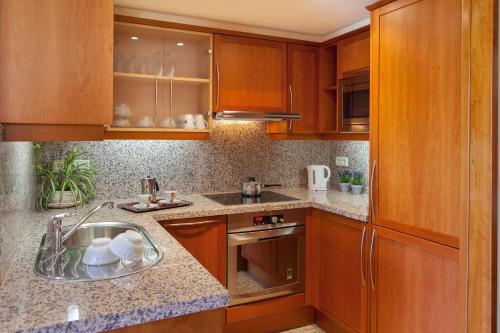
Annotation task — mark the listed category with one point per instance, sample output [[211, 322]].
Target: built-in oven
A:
[[266, 254], [355, 103]]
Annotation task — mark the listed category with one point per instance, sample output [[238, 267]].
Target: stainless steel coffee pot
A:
[[149, 185]]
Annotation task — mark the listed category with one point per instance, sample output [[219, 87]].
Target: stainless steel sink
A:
[[69, 265]]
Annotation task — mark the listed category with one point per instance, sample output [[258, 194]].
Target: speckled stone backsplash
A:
[[233, 153], [358, 153], [17, 196]]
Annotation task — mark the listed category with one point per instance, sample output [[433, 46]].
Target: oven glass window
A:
[[356, 101], [267, 264]]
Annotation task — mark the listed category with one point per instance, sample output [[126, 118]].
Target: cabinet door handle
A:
[[362, 254], [156, 101], [371, 189], [291, 107], [218, 85], [371, 259], [187, 224]]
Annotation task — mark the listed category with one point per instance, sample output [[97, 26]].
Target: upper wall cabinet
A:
[[162, 82], [56, 61], [303, 87], [250, 74], [354, 54], [344, 92]]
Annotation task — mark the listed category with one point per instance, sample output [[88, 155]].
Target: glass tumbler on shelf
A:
[[142, 66], [117, 62], [157, 63]]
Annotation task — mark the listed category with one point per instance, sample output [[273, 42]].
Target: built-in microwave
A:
[[355, 103]]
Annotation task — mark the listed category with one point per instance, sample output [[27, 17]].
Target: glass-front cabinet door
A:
[[162, 79]]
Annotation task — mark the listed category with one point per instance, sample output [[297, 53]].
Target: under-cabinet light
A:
[[134, 38], [180, 44]]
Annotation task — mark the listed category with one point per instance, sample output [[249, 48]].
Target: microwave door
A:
[[355, 107]]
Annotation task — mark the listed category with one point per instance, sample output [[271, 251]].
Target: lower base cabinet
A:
[[415, 285], [361, 276], [205, 239], [338, 271]]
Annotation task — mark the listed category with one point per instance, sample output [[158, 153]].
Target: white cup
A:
[[187, 121], [170, 195], [200, 122], [168, 123], [145, 199], [122, 111], [121, 123], [146, 122]]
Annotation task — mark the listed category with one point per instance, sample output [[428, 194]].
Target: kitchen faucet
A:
[[55, 236]]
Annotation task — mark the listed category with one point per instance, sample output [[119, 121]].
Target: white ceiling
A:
[[309, 17]]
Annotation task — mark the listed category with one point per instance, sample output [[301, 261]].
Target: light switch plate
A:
[[342, 161]]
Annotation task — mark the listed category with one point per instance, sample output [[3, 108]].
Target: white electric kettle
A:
[[318, 176]]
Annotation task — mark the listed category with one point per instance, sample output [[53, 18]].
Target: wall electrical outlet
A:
[[342, 161]]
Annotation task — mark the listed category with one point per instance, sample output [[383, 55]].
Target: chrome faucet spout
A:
[[67, 234]]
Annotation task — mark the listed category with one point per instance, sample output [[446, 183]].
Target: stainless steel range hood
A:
[[255, 116]]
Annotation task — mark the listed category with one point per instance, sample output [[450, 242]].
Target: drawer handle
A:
[[187, 224]]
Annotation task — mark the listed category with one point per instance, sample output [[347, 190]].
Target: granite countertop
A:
[[345, 204], [176, 286]]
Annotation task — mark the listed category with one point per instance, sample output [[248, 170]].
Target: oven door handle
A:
[[256, 236]]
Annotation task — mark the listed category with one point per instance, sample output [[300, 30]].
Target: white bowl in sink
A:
[[128, 246], [98, 253]]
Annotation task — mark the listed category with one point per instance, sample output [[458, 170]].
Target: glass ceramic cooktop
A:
[[229, 199]]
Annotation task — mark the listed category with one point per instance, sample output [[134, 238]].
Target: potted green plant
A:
[[70, 184], [345, 180], [357, 182]]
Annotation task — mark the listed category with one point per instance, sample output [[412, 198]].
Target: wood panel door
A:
[[415, 285], [340, 282], [56, 61], [250, 74], [419, 135], [354, 54], [205, 239], [303, 87]]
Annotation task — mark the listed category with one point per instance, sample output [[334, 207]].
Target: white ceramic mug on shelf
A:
[[200, 122], [146, 122], [187, 121]]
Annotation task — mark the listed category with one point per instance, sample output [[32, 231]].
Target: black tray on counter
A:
[[177, 203]]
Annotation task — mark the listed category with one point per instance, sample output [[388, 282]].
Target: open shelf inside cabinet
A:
[[162, 83], [329, 99]]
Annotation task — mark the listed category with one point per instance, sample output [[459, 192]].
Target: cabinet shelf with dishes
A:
[[162, 83]]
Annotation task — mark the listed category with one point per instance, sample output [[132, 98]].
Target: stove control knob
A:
[[274, 219]]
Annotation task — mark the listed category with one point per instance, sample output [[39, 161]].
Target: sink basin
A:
[[71, 267]]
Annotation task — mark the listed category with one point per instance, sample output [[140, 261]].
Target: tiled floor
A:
[[306, 329]]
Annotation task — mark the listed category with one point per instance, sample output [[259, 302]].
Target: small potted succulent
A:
[[345, 179], [357, 182]]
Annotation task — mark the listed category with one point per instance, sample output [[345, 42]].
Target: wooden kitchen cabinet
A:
[[302, 91], [56, 62], [354, 54], [250, 74], [338, 271], [303, 87], [419, 147], [205, 239], [415, 285], [341, 57]]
